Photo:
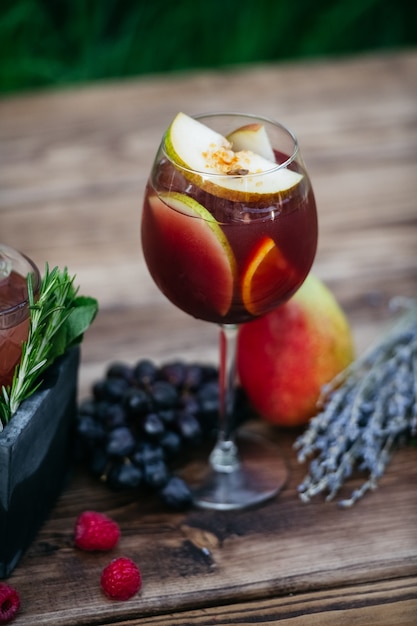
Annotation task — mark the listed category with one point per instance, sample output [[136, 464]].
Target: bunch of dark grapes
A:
[[143, 420]]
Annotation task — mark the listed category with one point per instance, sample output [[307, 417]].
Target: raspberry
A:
[[96, 531], [9, 603], [121, 579]]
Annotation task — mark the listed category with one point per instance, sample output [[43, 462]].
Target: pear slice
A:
[[242, 176], [199, 267], [252, 137], [189, 143]]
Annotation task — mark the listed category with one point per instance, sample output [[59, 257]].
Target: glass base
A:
[[260, 475]]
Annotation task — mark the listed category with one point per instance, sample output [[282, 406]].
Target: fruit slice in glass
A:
[[208, 162], [268, 272], [199, 269]]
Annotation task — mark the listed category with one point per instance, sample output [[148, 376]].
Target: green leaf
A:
[[80, 318]]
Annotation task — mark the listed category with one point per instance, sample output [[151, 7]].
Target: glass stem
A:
[[224, 456]]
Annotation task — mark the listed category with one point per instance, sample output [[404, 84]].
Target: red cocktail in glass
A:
[[229, 232]]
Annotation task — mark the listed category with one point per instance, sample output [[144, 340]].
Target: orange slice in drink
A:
[[267, 278]]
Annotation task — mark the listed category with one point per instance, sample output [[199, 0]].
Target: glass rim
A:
[[32, 269], [249, 116]]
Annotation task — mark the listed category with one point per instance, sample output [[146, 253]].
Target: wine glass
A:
[[229, 232]]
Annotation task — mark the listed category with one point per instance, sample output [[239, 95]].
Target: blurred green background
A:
[[45, 43]]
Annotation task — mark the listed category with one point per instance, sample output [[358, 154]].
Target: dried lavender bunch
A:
[[366, 412]]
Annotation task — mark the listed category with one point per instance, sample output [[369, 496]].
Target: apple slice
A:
[[242, 176], [252, 137], [199, 267], [267, 278]]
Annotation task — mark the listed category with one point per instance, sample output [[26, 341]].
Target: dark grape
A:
[[141, 420], [167, 416], [145, 372], [153, 426], [110, 415], [156, 474], [175, 373], [99, 390], [124, 475], [98, 462], [210, 372], [188, 427], [190, 405], [194, 377], [137, 402], [89, 429], [208, 398], [147, 452], [87, 407], [114, 389], [176, 494], [122, 371], [121, 442], [165, 395], [171, 443]]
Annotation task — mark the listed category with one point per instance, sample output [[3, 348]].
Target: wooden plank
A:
[[390, 602], [200, 559]]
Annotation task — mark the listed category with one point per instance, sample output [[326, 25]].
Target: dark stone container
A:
[[35, 456]]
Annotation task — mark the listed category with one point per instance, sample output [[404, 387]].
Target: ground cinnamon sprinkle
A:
[[225, 161]]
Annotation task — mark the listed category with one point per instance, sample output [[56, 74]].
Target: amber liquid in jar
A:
[[14, 324]]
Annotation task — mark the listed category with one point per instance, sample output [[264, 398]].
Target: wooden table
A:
[[73, 170]]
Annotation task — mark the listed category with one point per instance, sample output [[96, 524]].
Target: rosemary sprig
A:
[[58, 319], [365, 412]]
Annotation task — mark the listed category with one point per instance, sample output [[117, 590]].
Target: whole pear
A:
[[285, 357]]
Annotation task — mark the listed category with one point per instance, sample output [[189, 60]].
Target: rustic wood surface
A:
[[73, 169]]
